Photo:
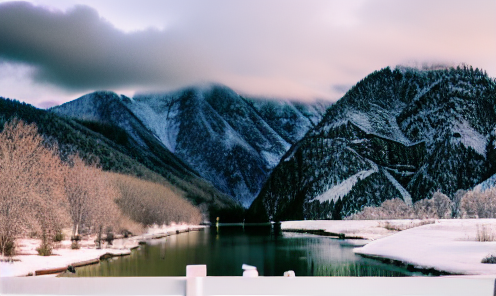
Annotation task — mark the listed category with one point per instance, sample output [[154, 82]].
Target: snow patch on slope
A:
[[470, 137], [159, 119], [231, 138], [361, 120], [339, 191], [378, 122], [385, 124], [406, 196], [272, 159]]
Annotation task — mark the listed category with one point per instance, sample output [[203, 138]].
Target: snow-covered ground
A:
[[447, 245], [63, 255], [28, 264]]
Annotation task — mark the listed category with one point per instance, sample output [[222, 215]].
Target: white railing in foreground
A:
[[206, 286], [196, 283]]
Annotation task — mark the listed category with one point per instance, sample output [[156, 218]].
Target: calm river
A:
[[226, 248]]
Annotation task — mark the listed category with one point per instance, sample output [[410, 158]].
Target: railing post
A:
[[194, 279], [249, 271]]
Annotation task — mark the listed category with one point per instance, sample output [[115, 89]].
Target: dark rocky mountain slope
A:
[[404, 133], [231, 141]]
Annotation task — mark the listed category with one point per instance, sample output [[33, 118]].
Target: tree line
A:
[[464, 204]]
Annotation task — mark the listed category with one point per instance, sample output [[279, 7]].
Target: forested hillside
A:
[[115, 150], [403, 134]]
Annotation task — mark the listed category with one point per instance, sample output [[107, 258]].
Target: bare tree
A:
[[151, 203], [90, 196], [394, 208], [38, 193], [442, 204], [31, 185], [425, 209], [478, 204], [439, 206], [456, 203]]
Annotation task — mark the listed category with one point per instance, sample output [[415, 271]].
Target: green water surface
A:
[[224, 249]]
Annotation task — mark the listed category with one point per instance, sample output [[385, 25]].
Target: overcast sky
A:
[[55, 51]]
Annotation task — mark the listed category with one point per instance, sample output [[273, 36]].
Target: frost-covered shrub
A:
[[442, 204], [400, 227], [59, 236], [491, 259], [45, 248], [390, 209], [438, 207], [484, 234], [425, 209], [477, 204], [396, 209]]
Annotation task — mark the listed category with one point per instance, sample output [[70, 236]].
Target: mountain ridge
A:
[[431, 125], [229, 140]]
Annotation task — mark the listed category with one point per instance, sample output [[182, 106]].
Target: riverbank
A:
[[446, 246], [352, 229], [28, 262]]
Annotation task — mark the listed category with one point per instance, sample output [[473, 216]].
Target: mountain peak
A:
[[232, 141]]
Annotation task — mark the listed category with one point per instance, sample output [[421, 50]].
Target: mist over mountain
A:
[[404, 133], [231, 141]]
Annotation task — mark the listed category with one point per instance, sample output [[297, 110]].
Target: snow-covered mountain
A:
[[107, 114], [231, 141], [404, 133]]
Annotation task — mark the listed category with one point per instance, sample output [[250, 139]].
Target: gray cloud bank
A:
[[79, 50], [286, 48]]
